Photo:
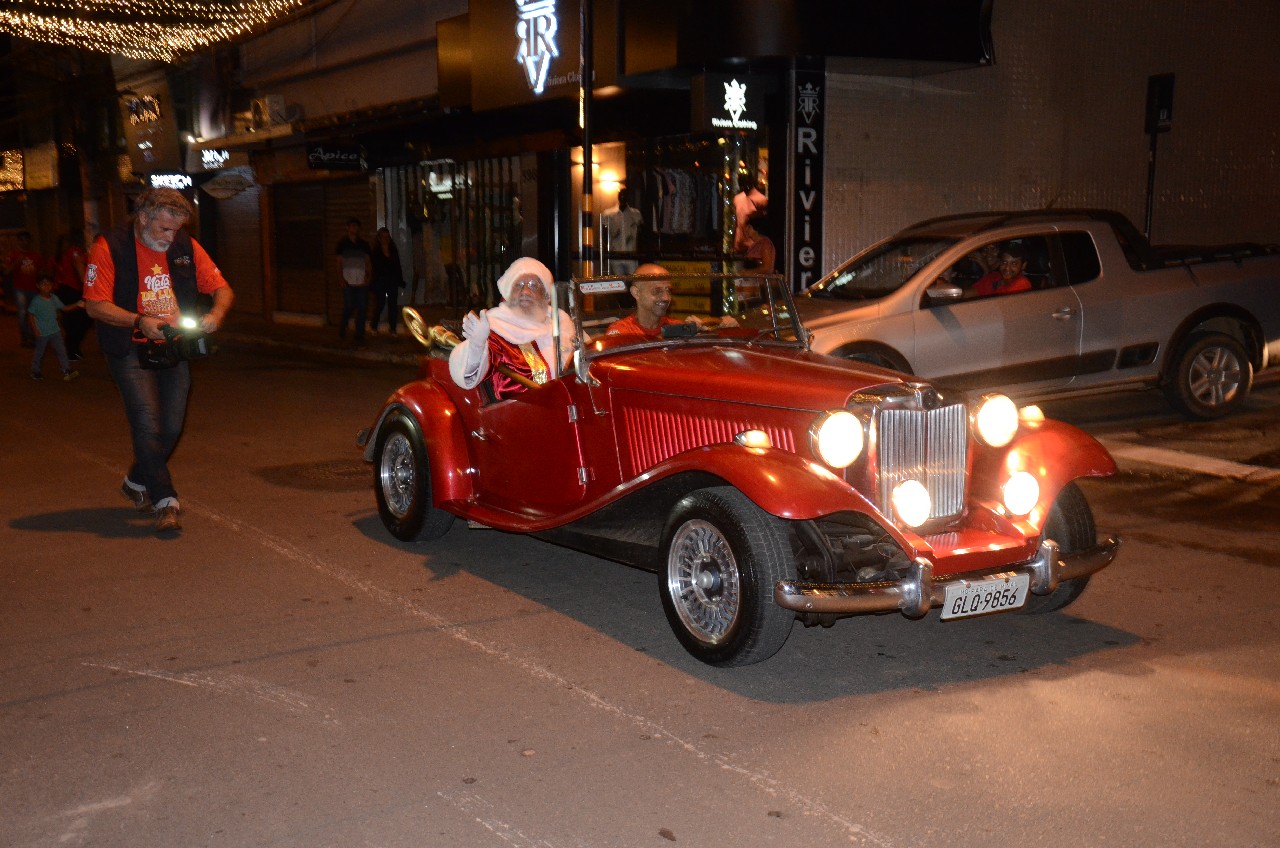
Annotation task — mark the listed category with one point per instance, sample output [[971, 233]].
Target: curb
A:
[[387, 357], [1195, 463]]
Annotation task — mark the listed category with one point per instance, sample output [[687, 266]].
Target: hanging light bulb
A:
[[138, 29]]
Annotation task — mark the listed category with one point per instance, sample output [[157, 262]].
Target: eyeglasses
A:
[[533, 284]]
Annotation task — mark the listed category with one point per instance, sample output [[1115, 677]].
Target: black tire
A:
[[1211, 376], [402, 483], [723, 557], [1070, 524], [878, 356]]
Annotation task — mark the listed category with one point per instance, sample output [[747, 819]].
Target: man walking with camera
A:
[[142, 280]]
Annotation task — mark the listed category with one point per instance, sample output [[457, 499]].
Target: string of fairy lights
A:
[[138, 29]]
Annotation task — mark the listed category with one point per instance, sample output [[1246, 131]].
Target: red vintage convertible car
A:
[[761, 481]]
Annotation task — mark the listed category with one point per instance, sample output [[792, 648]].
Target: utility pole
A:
[[584, 120]]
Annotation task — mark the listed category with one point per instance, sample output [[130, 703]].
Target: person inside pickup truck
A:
[[512, 344], [987, 257], [652, 290], [1009, 276]]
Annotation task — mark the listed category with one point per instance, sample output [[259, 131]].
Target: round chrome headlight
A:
[[1021, 493], [837, 438], [995, 419], [911, 502]]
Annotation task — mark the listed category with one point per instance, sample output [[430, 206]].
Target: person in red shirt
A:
[[1008, 276], [653, 302], [142, 278], [24, 265], [651, 288]]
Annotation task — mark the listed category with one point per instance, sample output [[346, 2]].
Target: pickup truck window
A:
[[1081, 256], [881, 270]]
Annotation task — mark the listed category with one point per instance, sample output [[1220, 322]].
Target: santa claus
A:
[[512, 345]]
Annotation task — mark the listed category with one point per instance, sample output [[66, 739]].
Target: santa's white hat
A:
[[524, 267]]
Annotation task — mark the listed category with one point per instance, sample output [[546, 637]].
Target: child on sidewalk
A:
[[43, 315]]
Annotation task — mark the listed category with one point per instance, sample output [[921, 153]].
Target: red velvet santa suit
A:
[[521, 344]]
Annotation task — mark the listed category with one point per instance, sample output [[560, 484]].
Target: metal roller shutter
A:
[[310, 218], [240, 247]]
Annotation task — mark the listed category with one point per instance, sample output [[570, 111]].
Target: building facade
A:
[[457, 126]]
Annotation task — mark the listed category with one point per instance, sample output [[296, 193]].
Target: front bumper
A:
[[916, 593]]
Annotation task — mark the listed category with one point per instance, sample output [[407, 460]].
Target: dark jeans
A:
[[22, 300], [390, 299], [53, 340], [76, 322], [355, 301], [155, 403]]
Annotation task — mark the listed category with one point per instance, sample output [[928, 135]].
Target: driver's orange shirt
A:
[[629, 326]]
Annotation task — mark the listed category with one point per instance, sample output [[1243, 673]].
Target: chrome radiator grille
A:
[[929, 445]]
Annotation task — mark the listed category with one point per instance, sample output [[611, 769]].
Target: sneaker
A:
[[69, 376], [74, 357], [35, 376], [138, 497], [167, 519]]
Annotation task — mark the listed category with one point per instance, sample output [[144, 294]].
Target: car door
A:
[[528, 457], [1026, 338]]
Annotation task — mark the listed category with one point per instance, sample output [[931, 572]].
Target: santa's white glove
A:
[[475, 329]]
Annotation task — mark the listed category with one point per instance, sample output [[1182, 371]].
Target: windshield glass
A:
[[881, 270], [625, 311]]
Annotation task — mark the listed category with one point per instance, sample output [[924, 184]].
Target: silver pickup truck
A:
[[1084, 304]]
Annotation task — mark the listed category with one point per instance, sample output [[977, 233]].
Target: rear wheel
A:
[[881, 357], [1070, 524], [1211, 376], [402, 483], [723, 557]]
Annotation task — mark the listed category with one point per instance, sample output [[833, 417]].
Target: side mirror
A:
[[943, 292]]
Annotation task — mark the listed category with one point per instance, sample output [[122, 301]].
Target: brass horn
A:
[[431, 337], [442, 339]]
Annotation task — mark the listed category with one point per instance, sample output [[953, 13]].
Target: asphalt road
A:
[[286, 674]]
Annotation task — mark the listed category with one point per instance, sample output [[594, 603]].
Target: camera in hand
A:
[[179, 345]]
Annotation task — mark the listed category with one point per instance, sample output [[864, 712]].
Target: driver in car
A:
[[515, 337], [653, 302]]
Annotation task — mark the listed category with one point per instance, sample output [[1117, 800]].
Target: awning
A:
[[253, 138]]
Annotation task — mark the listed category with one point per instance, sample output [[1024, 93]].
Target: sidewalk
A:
[[248, 330]]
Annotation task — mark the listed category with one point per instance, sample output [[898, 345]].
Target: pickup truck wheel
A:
[[723, 556], [1070, 524], [402, 483], [879, 357], [1211, 376]]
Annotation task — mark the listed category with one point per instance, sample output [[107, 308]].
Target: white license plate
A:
[[979, 597]]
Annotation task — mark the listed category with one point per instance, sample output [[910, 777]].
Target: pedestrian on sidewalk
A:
[[42, 313], [355, 264], [388, 278]]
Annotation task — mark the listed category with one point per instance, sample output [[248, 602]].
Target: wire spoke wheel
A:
[[397, 476], [704, 582], [724, 555], [402, 482]]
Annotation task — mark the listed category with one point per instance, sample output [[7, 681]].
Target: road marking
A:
[[227, 683], [482, 811], [1208, 465], [800, 799]]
